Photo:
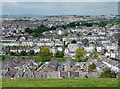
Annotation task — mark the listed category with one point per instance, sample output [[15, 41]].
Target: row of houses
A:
[[28, 68], [52, 69], [54, 74], [58, 46]]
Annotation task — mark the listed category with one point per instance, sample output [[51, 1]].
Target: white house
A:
[[58, 43], [70, 50], [60, 31], [89, 48], [60, 49], [53, 50], [36, 49]]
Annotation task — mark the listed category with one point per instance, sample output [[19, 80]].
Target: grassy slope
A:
[[37, 58], [61, 59], [20, 58], [91, 82]]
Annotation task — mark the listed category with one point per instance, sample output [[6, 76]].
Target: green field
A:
[[7, 57], [61, 59], [20, 58], [90, 82], [38, 59]]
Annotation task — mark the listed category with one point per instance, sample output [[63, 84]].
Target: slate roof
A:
[[4, 72], [28, 74], [19, 74], [112, 62], [69, 65], [39, 74], [11, 73], [52, 66]]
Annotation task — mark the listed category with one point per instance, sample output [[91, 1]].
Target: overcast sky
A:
[[60, 8], [59, 0]]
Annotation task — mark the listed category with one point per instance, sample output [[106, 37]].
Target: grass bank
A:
[[90, 82]]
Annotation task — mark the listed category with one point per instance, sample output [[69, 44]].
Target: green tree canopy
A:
[[102, 24], [108, 74], [12, 53], [105, 50], [90, 33], [3, 57], [73, 41], [59, 54], [87, 24], [44, 52], [31, 52], [92, 66], [28, 30], [85, 41], [23, 53], [80, 53]]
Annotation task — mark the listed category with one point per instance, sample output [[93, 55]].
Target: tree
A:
[[28, 30], [63, 26], [14, 31], [12, 53], [45, 54], [119, 42], [35, 34], [102, 24], [79, 34], [88, 24], [66, 34], [59, 54], [74, 41], [108, 74], [85, 41], [80, 53], [23, 53], [89, 33], [92, 66], [105, 50], [31, 52], [3, 57]]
